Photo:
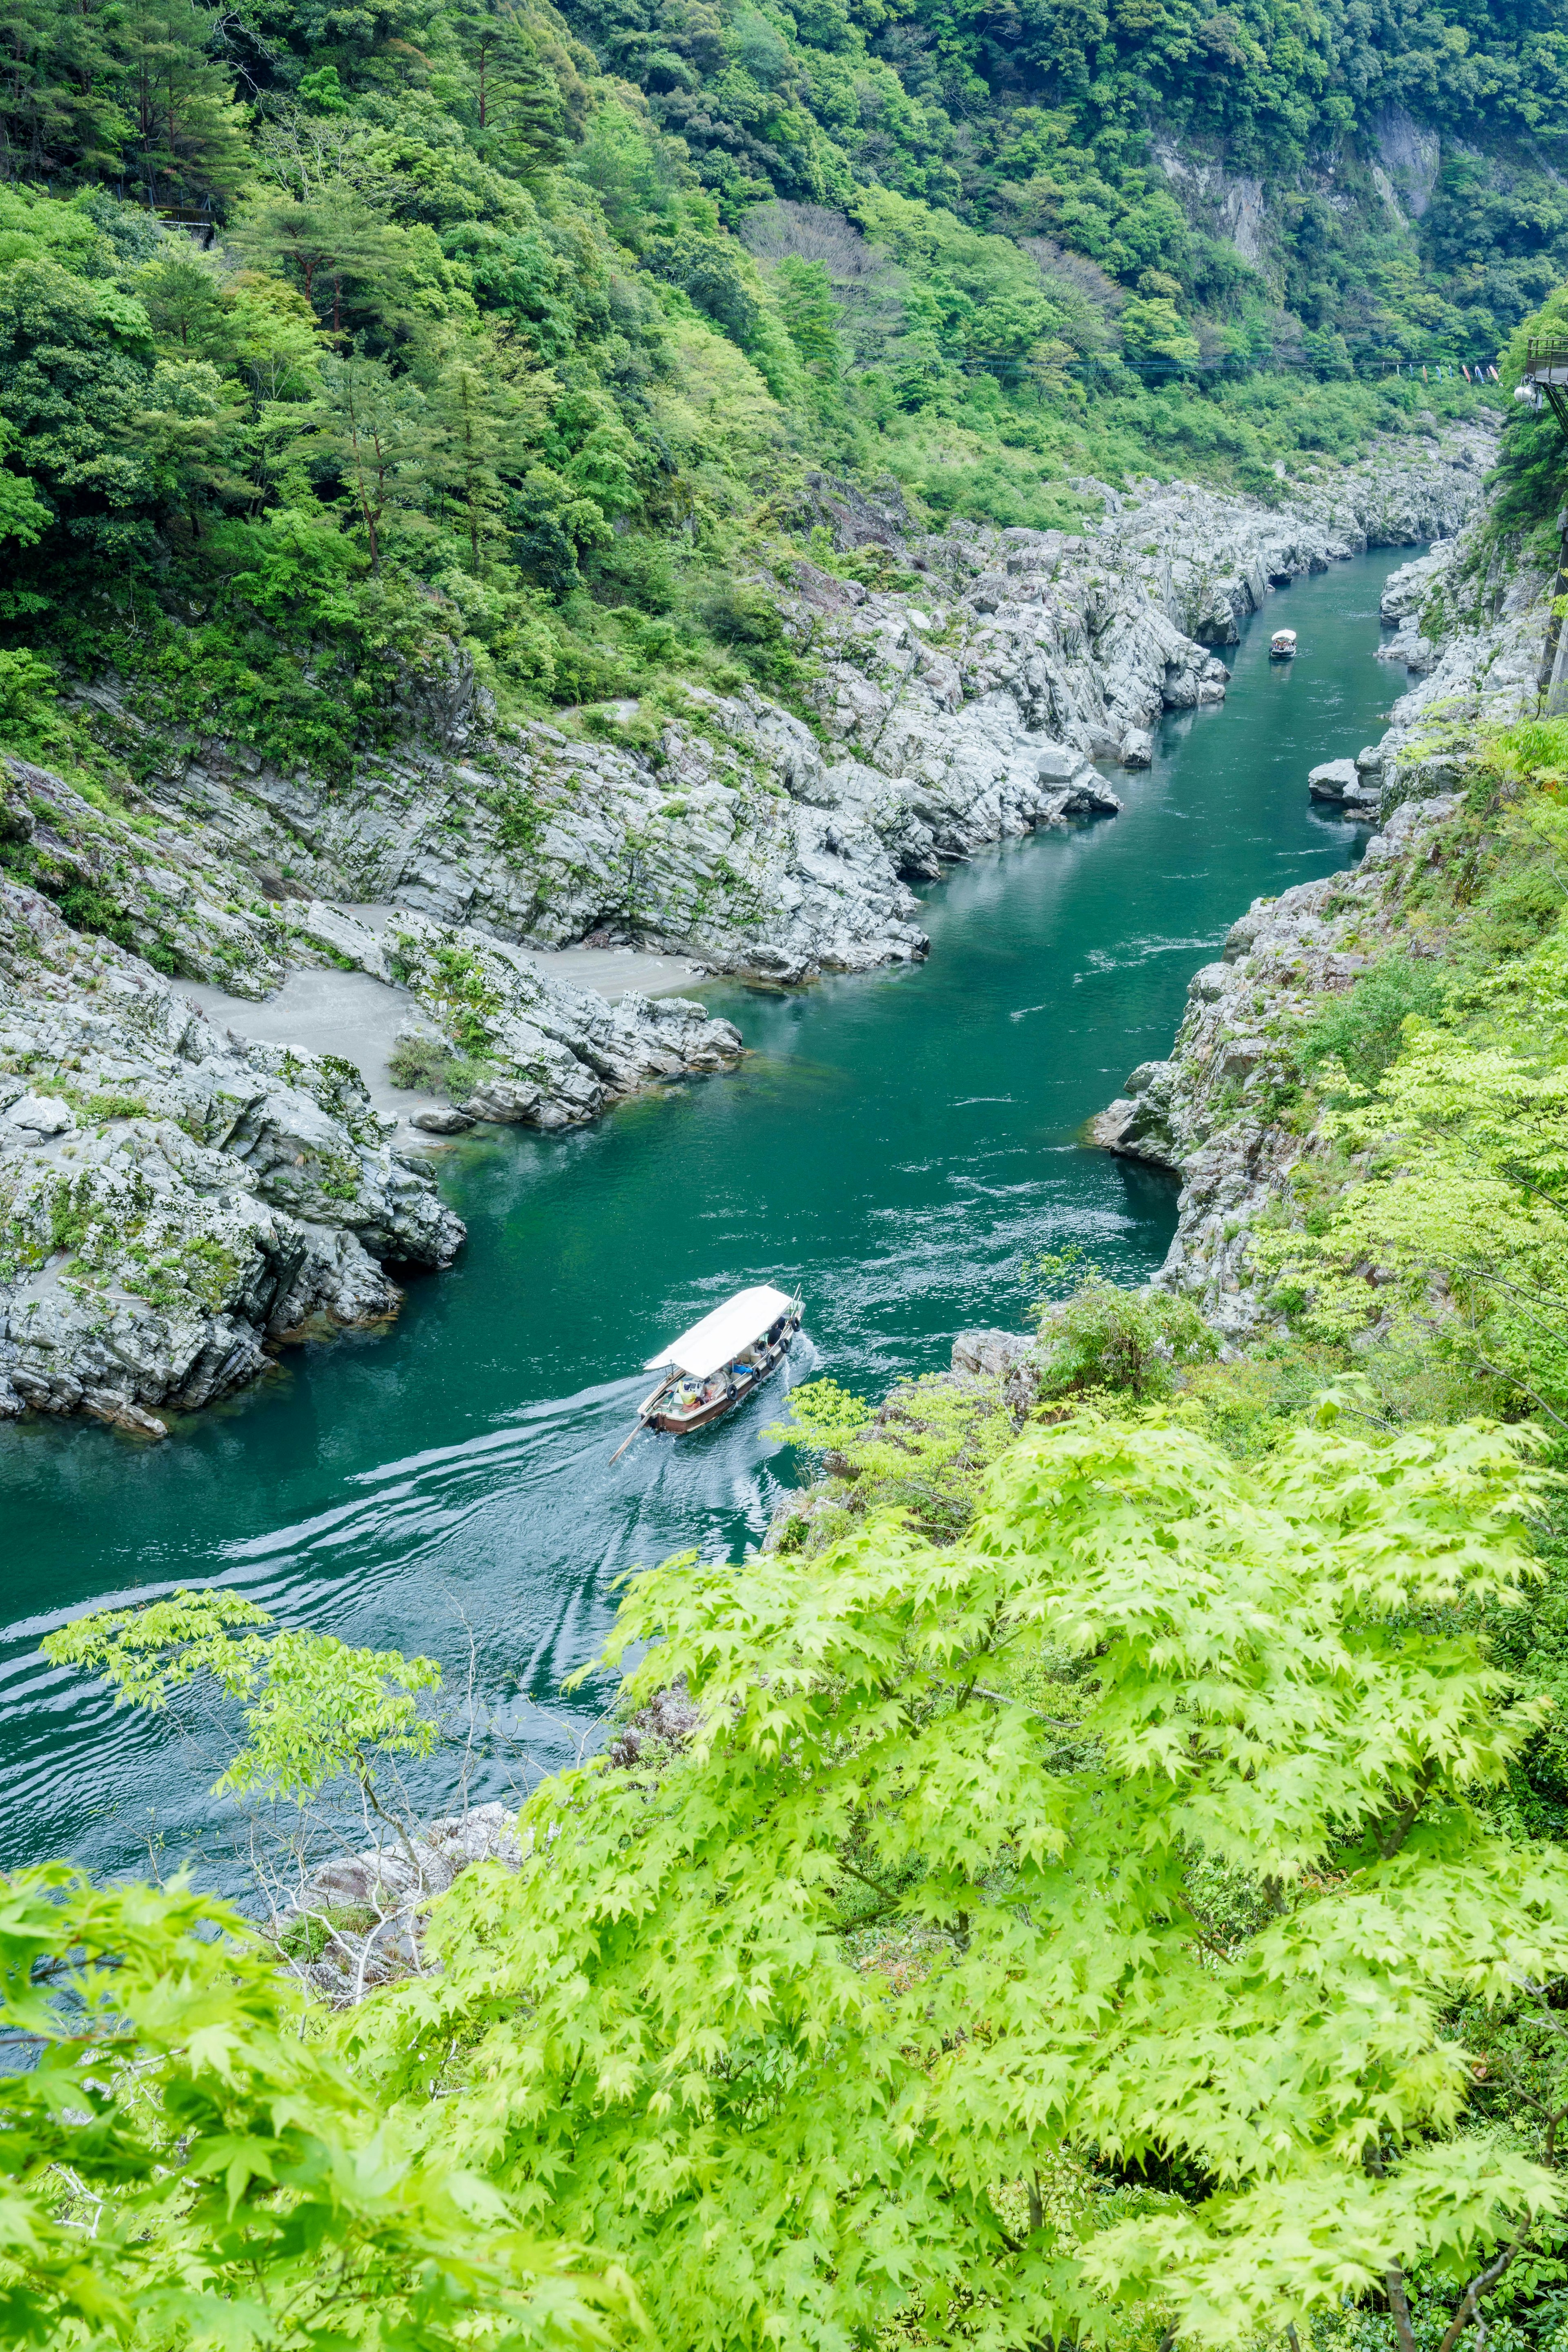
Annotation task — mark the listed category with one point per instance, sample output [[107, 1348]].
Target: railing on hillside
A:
[[1546, 367]]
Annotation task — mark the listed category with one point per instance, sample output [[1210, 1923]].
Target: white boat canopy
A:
[[719, 1338]]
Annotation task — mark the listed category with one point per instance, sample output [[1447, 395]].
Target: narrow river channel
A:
[[897, 1143]]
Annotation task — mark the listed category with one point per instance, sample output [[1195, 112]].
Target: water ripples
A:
[[900, 1142]]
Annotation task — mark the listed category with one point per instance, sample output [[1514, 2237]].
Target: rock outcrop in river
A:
[[527, 1049], [1211, 1111]]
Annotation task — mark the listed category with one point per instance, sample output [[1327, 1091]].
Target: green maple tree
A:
[[805, 2027]]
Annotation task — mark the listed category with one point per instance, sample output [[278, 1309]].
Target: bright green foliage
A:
[[27, 700], [1438, 1215], [1100, 1337], [185, 2164], [497, 303], [921, 1455], [1459, 1211], [1533, 471], [668, 2045], [1361, 1029], [824, 1415], [313, 1706]]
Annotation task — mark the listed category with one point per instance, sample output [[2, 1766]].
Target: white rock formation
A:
[[954, 716], [546, 1054], [205, 1197], [364, 1913], [1346, 788]]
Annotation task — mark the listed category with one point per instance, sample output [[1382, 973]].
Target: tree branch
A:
[[1482, 2284]]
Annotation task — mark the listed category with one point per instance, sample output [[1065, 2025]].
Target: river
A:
[[896, 1144]]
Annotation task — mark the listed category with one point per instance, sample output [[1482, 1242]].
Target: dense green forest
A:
[[432, 338]]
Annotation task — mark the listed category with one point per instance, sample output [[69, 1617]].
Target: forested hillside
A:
[[452, 342]]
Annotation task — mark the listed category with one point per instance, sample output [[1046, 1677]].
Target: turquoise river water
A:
[[896, 1144]]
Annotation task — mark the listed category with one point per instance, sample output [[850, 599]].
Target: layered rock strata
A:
[[1208, 1111], [960, 706], [175, 1203], [533, 1050]]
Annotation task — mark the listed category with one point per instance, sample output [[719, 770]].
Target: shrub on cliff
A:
[[1361, 1029], [1100, 1337]]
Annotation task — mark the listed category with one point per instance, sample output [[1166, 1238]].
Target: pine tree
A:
[[384, 443], [185, 135], [517, 100], [58, 110], [332, 243]]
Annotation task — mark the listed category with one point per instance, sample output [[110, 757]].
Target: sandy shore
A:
[[609, 972], [350, 1015]]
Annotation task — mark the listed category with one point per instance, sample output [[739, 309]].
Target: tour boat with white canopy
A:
[[709, 1369], [1282, 645]]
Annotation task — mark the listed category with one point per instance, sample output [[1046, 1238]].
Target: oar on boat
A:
[[643, 1419]]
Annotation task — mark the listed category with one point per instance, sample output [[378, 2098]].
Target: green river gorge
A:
[[896, 1144]]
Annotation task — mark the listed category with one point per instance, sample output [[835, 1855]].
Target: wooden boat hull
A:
[[681, 1424]]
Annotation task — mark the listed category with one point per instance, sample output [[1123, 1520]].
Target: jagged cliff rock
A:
[[175, 1200], [972, 713], [172, 1201], [1208, 1111], [726, 831]]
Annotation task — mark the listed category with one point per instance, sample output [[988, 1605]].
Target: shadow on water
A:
[[897, 1143]]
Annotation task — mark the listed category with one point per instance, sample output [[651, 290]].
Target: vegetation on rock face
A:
[[1431, 1212]]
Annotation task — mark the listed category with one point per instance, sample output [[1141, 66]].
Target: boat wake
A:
[[460, 1552]]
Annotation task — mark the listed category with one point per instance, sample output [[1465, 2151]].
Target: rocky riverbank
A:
[[1216, 1111], [959, 704], [173, 1202], [176, 1201], [179, 1198]]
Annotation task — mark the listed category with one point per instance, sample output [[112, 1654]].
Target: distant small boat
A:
[[711, 1368], [1282, 645]]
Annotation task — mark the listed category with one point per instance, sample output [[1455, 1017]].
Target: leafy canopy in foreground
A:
[[182, 2166], [1022, 1755]]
